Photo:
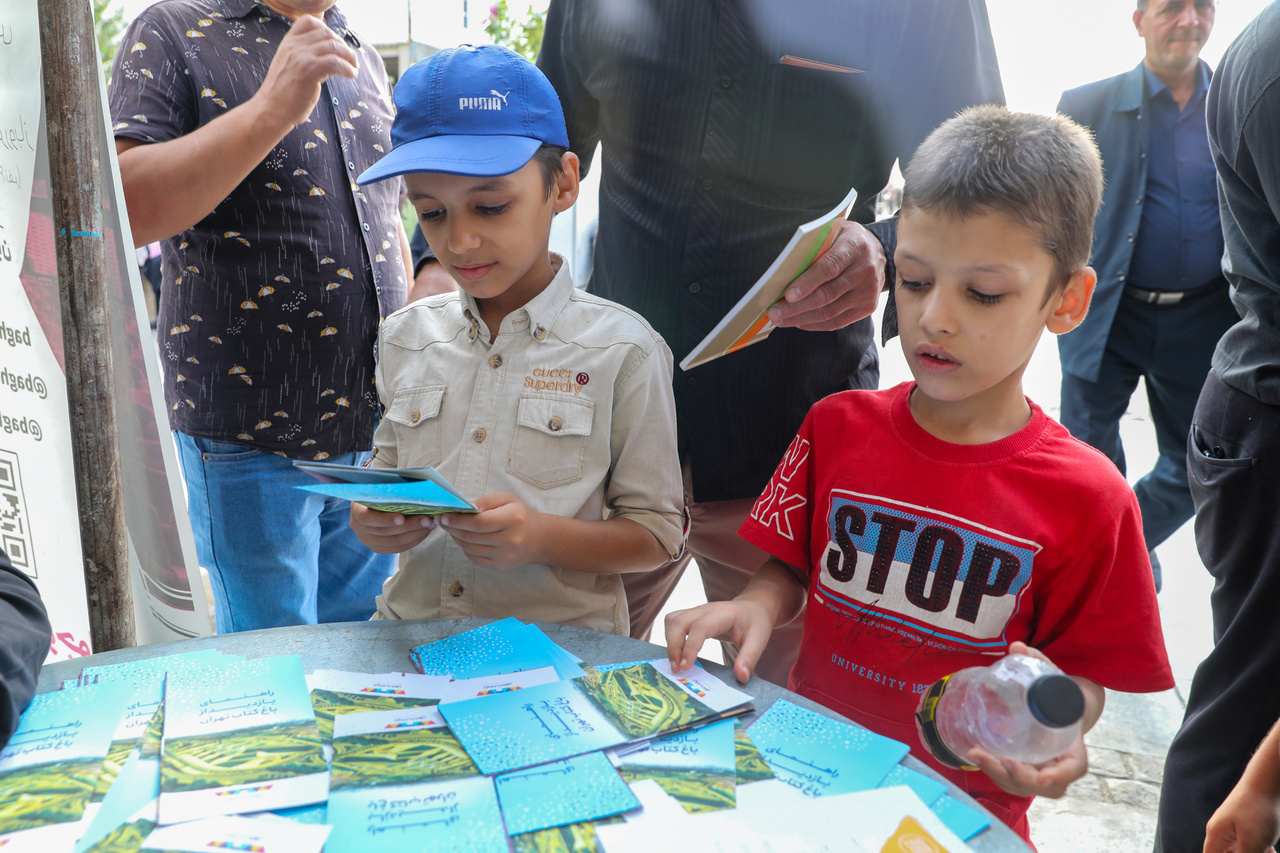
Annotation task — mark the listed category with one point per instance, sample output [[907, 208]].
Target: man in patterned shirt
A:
[[241, 125]]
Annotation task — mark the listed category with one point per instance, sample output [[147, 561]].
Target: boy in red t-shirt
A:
[[949, 521]]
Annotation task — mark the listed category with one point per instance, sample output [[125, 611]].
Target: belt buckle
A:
[[1165, 298]]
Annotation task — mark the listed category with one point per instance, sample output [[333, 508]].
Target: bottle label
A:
[[927, 718]]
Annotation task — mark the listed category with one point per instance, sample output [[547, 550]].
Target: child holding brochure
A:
[[946, 522], [550, 408]]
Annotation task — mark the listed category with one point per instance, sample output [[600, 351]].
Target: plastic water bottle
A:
[[1019, 708]]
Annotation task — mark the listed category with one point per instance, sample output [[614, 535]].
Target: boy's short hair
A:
[[480, 111], [550, 164], [1042, 170]]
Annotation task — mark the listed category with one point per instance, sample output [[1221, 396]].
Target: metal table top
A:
[[384, 646]]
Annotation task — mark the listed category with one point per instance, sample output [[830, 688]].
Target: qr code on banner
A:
[[15, 530]]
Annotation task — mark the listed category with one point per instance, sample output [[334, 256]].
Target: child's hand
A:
[[1050, 779], [502, 536], [745, 623], [389, 532]]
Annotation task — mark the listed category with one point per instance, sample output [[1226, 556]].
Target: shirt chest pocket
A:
[[416, 414], [550, 444]]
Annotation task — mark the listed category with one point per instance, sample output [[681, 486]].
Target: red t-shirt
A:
[[926, 557]]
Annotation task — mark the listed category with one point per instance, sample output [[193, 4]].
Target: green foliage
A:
[[110, 25], [520, 32]]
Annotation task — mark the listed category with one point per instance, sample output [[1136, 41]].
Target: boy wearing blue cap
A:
[[552, 405]]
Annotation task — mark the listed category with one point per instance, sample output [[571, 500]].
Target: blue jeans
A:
[[276, 555]]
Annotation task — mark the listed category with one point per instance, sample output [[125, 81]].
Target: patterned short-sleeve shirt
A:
[[270, 305]]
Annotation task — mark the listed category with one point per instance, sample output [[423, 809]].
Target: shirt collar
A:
[[241, 8], [538, 315], [1155, 85]]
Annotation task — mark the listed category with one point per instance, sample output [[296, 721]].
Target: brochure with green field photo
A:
[[243, 740], [50, 767]]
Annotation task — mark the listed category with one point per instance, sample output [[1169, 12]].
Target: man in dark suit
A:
[[1161, 302]]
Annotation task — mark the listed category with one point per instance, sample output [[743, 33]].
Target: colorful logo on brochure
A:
[[693, 687], [394, 691], [492, 690], [407, 724], [231, 845], [257, 789]]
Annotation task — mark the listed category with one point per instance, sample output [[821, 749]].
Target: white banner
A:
[[39, 526]]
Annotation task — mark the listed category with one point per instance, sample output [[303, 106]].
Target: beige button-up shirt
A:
[[569, 409]]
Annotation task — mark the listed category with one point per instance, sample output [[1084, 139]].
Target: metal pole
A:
[[70, 67]]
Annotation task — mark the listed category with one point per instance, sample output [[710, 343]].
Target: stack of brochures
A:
[[501, 741]]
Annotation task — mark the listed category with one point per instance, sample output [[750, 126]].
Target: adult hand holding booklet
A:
[[408, 491], [748, 322]]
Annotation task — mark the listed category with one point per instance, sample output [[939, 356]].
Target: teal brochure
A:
[[253, 834], [961, 819], [242, 739], [380, 748], [147, 677], [52, 762], [417, 498], [129, 810], [563, 792], [697, 682], [402, 781], [336, 692], [498, 648], [927, 788], [749, 764], [143, 670], [965, 821], [696, 767], [548, 722], [458, 815], [819, 755]]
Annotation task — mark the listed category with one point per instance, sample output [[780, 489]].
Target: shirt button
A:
[[335, 102], [416, 416], [365, 226], [351, 165], [479, 435], [707, 183], [1129, 238], [457, 589], [539, 332], [1120, 276], [555, 424], [694, 287], [495, 361], [725, 82]]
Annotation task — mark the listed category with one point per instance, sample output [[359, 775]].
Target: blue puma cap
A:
[[471, 110]]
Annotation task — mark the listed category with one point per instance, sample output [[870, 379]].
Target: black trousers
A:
[[1233, 456]]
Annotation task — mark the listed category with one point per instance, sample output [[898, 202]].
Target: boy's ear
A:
[[1073, 302], [566, 189]]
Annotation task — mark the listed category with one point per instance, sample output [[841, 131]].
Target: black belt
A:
[[1169, 297]]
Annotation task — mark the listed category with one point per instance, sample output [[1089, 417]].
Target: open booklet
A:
[[409, 491], [748, 323]]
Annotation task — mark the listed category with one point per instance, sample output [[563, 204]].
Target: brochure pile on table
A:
[[502, 741]]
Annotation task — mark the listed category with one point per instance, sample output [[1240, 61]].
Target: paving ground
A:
[[1113, 808]]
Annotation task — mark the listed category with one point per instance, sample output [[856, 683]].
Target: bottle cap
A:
[[1055, 700]]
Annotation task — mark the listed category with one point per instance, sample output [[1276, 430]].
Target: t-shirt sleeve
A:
[[1098, 616], [150, 93], [644, 482], [781, 517], [24, 643]]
